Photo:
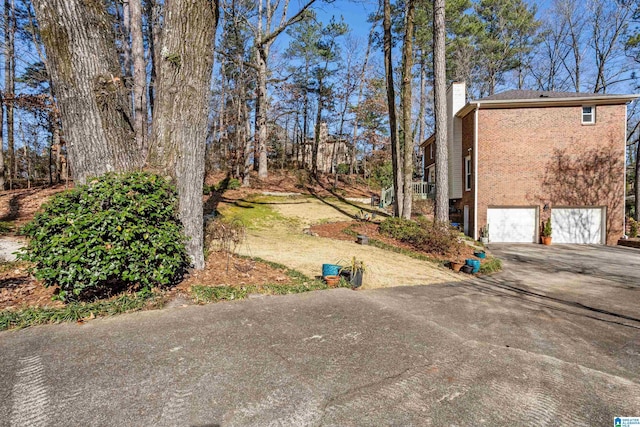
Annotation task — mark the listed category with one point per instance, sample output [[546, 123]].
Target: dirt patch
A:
[[19, 206], [231, 270], [19, 289]]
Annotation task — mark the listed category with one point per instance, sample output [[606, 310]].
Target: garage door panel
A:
[[577, 225], [512, 225]]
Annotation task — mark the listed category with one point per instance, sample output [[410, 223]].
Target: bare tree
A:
[[265, 35], [570, 11], [608, 22]]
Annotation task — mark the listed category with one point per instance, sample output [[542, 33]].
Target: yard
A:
[[288, 231]]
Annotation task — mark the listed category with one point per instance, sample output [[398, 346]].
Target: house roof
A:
[[428, 140], [512, 95], [538, 98]]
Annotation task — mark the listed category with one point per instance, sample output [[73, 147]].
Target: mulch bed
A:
[[231, 270], [19, 289], [338, 231]]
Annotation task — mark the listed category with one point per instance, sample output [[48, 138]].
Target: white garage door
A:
[[577, 225], [512, 225]]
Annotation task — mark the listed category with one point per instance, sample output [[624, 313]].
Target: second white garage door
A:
[[577, 225], [512, 225]]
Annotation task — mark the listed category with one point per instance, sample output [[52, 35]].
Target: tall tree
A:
[[440, 109], [632, 46], [396, 159], [327, 50], [95, 105], [265, 35], [9, 83], [609, 22], [508, 28], [87, 80], [140, 107], [180, 118], [406, 135]]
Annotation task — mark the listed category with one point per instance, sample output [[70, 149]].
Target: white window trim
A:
[[429, 169], [467, 173], [593, 114], [431, 151]]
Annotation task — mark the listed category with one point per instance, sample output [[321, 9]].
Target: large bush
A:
[[116, 232], [423, 235]]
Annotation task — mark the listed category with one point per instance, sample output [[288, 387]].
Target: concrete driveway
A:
[[525, 347]]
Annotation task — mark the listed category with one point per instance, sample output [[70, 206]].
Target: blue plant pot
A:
[[480, 254], [330, 269], [475, 264]]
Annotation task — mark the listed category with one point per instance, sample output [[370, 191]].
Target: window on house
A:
[[467, 173], [588, 114], [431, 151], [431, 174]]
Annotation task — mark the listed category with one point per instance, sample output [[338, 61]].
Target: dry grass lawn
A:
[[282, 240]]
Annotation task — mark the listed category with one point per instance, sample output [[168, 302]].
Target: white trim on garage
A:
[[516, 224], [579, 225]]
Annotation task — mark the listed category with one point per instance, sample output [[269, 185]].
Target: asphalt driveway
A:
[[554, 340]]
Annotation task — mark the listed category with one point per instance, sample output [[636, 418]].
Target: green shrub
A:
[[382, 175], [491, 265], [5, 227], [399, 228], [633, 227], [423, 235], [227, 183], [116, 232], [343, 168]]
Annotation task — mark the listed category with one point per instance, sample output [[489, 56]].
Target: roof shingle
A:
[[535, 94]]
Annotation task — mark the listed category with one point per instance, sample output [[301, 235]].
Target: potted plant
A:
[[546, 232], [456, 265], [484, 234], [354, 271]]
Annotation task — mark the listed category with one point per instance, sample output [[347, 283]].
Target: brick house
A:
[[519, 157]]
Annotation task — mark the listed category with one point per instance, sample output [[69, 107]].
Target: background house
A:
[[519, 157]]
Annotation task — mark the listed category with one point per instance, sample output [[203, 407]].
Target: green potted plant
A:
[[484, 234], [354, 271], [546, 232]]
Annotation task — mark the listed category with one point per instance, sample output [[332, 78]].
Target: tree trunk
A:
[[354, 147], [2, 167], [440, 107], [139, 76], [153, 29], [247, 145], [180, 118], [637, 180], [407, 135], [398, 202], [261, 112], [55, 138], [87, 80], [9, 84], [125, 35]]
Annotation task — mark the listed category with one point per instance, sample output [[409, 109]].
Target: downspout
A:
[[624, 184], [475, 173]]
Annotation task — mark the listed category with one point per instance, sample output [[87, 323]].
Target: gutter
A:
[[547, 102], [475, 173]]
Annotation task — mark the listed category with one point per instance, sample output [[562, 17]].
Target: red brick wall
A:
[[468, 129], [533, 156]]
